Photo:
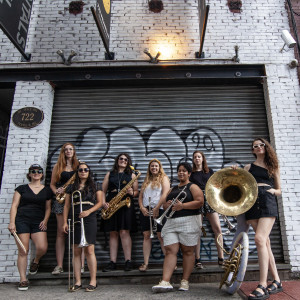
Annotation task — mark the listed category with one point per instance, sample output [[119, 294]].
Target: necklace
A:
[[119, 181]]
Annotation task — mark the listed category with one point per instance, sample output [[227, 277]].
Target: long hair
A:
[[270, 160], [89, 184], [62, 163], [127, 170], [155, 181], [204, 162]]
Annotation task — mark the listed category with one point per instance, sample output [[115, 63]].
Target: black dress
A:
[[124, 218], [58, 208], [200, 178], [266, 204]]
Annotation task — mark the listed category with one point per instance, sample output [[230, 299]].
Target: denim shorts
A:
[[28, 225]]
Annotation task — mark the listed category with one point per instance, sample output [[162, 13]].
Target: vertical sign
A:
[[203, 10], [102, 19], [14, 22]]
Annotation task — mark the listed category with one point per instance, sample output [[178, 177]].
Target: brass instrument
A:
[[232, 192], [60, 198], [152, 228], [160, 219], [116, 203], [230, 226]]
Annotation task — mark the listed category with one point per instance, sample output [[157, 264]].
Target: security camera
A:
[[288, 39]]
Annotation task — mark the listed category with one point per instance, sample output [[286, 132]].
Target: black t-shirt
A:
[[200, 178], [31, 204]]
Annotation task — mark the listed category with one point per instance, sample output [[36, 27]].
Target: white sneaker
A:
[[57, 270], [184, 285], [162, 287]]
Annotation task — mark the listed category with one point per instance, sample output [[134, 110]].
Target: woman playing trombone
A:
[[153, 192], [182, 230], [83, 190]]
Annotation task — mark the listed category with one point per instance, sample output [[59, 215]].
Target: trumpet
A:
[[160, 219]]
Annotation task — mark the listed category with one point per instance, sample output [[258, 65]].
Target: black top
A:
[[64, 177], [116, 182], [261, 175], [189, 197], [31, 204], [200, 178]]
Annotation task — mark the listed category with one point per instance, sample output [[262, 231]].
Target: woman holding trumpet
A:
[[85, 195], [153, 192], [29, 215], [63, 170], [182, 229]]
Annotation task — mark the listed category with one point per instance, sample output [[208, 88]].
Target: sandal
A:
[[220, 261], [143, 268], [76, 288], [198, 264], [91, 288], [272, 289], [258, 295]]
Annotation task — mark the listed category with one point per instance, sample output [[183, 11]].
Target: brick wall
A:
[[256, 30], [24, 147]]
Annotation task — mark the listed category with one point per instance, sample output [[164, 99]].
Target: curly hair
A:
[[270, 159], [127, 170], [155, 181], [204, 162], [62, 163]]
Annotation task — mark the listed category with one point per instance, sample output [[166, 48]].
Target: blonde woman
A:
[[154, 189]]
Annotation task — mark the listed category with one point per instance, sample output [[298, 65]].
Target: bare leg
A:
[[92, 263], [22, 257], [60, 240], [188, 253], [113, 245], [197, 249], [170, 261], [147, 243], [161, 242], [41, 245], [242, 226], [126, 243], [77, 264]]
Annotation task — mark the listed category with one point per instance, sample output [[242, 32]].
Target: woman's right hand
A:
[[145, 211], [60, 190], [12, 227], [65, 228], [234, 167], [105, 205]]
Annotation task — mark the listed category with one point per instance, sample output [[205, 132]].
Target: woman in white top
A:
[[154, 189]]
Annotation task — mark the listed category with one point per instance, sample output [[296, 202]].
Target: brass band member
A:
[[123, 220], [182, 230], [200, 175], [63, 170], [91, 202], [29, 215], [261, 216], [153, 192]]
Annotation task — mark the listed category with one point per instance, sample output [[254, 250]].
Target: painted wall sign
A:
[[14, 21], [28, 117]]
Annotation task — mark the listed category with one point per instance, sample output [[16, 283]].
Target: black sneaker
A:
[[23, 286], [33, 268], [110, 267], [128, 265]]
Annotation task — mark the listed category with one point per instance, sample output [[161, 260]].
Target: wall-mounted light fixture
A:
[[68, 61], [288, 40], [153, 60]]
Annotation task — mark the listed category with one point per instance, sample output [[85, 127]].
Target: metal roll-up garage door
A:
[[168, 123]]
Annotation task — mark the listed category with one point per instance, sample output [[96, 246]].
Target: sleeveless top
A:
[[189, 197], [200, 178], [64, 177], [153, 193], [116, 182], [261, 175]]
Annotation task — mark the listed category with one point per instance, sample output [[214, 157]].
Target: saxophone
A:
[[60, 198], [116, 203]]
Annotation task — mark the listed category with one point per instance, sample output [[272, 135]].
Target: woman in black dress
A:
[[63, 170], [29, 215], [91, 202], [261, 216], [123, 221], [200, 175]]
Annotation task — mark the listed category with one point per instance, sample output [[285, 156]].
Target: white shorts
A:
[[183, 230]]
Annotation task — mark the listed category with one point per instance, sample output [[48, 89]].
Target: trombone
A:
[[152, 228], [83, 241]]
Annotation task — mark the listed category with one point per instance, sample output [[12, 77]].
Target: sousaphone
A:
[[232, 192]]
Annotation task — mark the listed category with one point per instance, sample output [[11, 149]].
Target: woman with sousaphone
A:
[[85, 200]]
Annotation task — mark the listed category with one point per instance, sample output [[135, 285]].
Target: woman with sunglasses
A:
[[153, 192], [200, 175], [91, 200], [63, 170], [29, 215], [261, 216], [123, 221], [182, 229]]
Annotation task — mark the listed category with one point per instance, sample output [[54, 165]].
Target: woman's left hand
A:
[[177, 206], [271, 191], [43, 225], [84, 214], [130, 191]]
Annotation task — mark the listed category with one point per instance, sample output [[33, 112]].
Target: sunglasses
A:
[[122, 158], [83, 170], [259, 145], [36, 171]]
